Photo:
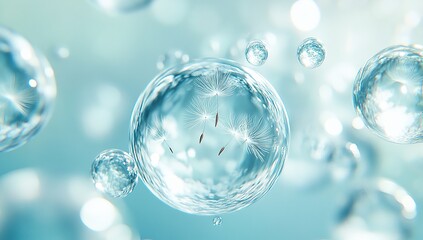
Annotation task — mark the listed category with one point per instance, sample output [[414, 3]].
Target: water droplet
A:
[[311, 53], [27, 90], [217, 221], [171, 59], [388, 94], [114, 173], [237, 157], [256, 53]]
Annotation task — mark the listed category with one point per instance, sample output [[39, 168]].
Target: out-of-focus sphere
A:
[[209, 137], [380, 210], [256, 53], [27, 90], [311, 53], [114, 172], [388, 94], [35, 205], [120, 6]]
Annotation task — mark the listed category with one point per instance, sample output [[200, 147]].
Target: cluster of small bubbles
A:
[[211, 141], [256, 53], [120, 6], [171, 59], [379, 210], [27, 90], [311, 53], [114, 173], [217, 221], [388, 94]]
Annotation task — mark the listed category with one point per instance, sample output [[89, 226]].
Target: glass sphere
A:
[[256, 53], [388, 94], [311, 53], [209, 137], [27, 90], [120, 6], [114, 172]]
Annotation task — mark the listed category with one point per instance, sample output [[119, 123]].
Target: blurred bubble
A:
[[217, 221], [344, 163], [388, 93], [169, 12], [35, 205], [120, 6], [171, 59], [305, 15], [311, 53], [379, 210], [209, 137], [256, 53], [114, 173], [27, 90], [101, 113]]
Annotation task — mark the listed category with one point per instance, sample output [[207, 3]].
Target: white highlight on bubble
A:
[[305, 15], [98, 214], [32, 83]]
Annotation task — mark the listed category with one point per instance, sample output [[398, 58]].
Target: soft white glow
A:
[[395, 122], [121, 232], [32, 83], [333, 126], [23, 185], [305, 15], [357, 123], [63, 52], [98, 214]]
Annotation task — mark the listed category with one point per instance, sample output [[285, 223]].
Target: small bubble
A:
[[114, 173], [217, 221], [311, 53], [256, 53]]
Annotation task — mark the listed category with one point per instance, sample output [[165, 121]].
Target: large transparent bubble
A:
[[27, 90], [388, 94], [209, 137]]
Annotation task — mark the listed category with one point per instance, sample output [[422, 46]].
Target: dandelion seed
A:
[[221, 150], [18, 98], [158, 132], [251, 133], [199, 113], [215, 85]]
